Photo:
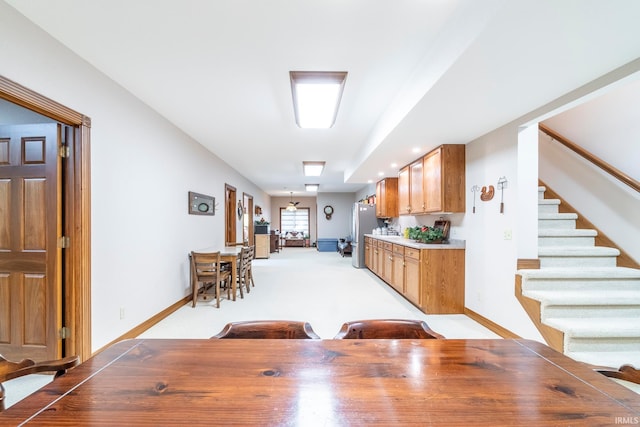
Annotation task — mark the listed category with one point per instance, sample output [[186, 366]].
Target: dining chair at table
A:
[[10, 370], [387, 329], [252, 255], [267, 329], [206, 270]]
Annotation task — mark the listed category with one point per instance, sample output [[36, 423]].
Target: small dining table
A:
[[448, 382], [228, 254]]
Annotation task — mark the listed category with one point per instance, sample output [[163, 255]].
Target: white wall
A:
[[339, 225], [142, 168], [611, 206]]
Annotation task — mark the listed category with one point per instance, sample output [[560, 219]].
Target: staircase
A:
[[583, 304]]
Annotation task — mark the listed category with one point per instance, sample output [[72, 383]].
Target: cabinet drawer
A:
[[387, 245], [398, 250], [412, 253]]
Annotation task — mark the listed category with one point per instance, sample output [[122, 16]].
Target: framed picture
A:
[[201, 204]]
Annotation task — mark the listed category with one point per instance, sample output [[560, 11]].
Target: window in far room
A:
[[294, 222]]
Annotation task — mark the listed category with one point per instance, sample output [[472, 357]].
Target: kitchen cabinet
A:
[[387, 198], [397, 275], [444, 179], [431, 279], [368, 253], [263, 245], [412, 275], [434, 183], [416, 192], [387, 261]]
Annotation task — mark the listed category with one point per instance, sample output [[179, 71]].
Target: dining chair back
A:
[[268, 329], [252, 255], [10, 370], [387, 329], [206, 271], [625, 373]]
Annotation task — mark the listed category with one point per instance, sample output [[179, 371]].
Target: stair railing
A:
[[621, 176]]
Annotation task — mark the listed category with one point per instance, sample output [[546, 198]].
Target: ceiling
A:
[[421, 73]]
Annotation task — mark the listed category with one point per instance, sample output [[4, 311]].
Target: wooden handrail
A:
[[591, 157]]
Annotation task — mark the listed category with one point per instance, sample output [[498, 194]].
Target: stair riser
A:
[[564, 311], [547, 209], [579, 262], [566, 241], [557, 223], [595, 344], [575, 284]]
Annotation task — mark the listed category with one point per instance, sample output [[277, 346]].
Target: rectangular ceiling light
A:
[[316, 97], [311, 187], [312, 168]]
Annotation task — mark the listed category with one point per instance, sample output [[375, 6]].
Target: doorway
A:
[[73, 224]]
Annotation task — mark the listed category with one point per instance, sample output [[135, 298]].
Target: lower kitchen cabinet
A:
[[431, 279]]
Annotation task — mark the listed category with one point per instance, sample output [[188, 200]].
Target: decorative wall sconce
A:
[[474, 190], [502, 184]]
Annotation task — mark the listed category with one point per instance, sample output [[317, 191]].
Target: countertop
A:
[[399, 240]]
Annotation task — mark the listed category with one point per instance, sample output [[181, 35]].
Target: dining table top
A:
[[448, 382]]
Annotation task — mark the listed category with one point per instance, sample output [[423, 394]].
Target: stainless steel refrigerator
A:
[[364, 221]]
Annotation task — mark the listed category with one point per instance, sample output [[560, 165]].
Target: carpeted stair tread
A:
[[575, 251], [580, 297], [560, 215], [581, 273], [613, 359], [618, 327], [566, 232]]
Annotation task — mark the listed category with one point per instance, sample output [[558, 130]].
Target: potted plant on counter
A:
[[426, 234]]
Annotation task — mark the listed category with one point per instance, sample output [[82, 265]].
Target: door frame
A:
[[76, 211]]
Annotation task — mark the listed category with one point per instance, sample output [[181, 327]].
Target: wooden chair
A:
[[625, 373], [268, 329], [252, 255], [206, 270], [387, 329], [10, 370]]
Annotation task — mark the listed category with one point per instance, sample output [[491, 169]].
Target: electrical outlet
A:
[[121, 313], [507, 234]]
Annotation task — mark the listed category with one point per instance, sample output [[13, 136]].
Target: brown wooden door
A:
[[30, 224]]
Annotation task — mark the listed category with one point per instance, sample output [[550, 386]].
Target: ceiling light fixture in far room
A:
[[312, 168], [292, 205], [316, 97], [311, 187]]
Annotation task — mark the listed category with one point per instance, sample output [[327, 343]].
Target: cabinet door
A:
[[380, 260], [433, 181], [262, 245], [412, 279], [404, 208], [397, 275], [387, 261], [380, 198], [416, 195], [367, 253]]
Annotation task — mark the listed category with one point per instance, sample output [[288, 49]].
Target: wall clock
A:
[[328, 211]]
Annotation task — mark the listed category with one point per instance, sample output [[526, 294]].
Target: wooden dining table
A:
[[228, 254], [449, 382]]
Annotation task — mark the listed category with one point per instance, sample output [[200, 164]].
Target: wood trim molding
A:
[[528, 264], [77, 212], [618, 174], [492, 326], [624, 259], [135, 332]]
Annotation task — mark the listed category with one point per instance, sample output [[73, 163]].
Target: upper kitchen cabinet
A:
[[387, 198], [434, 183], [444, 179], [404, 208]]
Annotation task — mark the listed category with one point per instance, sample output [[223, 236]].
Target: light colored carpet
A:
[[321, 288]]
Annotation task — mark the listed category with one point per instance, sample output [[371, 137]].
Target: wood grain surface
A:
[[329, 383]]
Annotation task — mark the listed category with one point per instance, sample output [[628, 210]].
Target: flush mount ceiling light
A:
[[311, 187], [316, 97], [312, 168]]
